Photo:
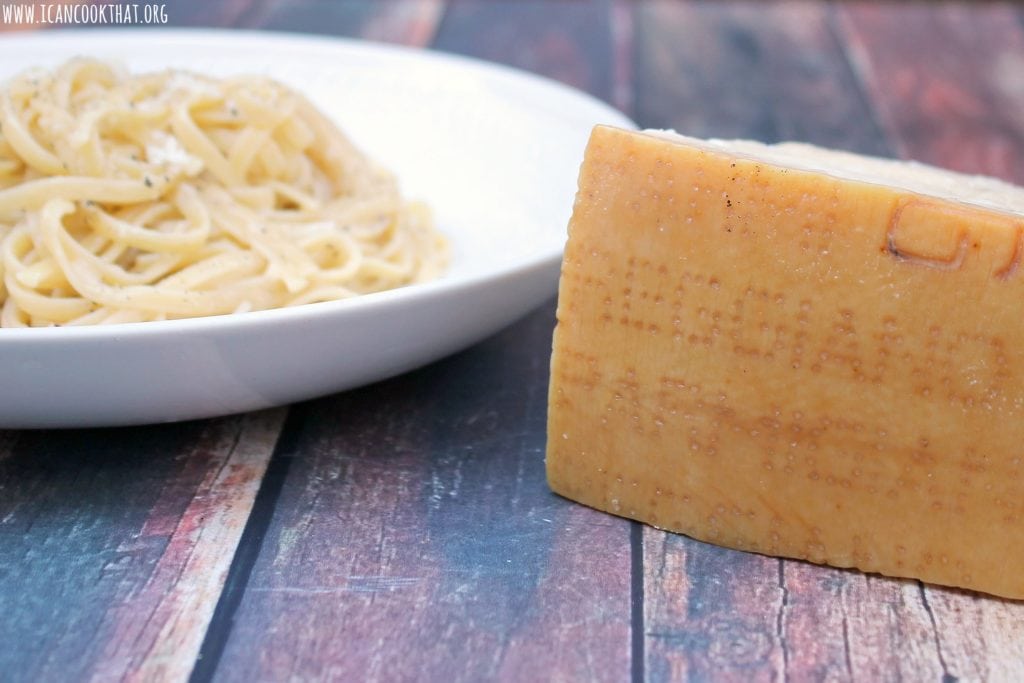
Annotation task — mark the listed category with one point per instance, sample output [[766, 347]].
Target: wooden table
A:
[[404, 531]]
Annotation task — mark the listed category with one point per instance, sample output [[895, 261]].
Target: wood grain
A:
[[407, 22], [717, 614], [709, 612], [770, 71], [978, 638], [415, 539], [567, 41], [114, 544], [199, 13], [946, 79]]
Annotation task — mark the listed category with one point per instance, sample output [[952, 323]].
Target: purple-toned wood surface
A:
[[114, 544], [420, 543], [947, 81], [404, 531]]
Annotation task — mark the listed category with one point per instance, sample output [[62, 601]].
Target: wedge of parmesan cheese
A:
[[796, 352]]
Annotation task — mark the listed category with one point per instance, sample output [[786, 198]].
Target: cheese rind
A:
[[791, 362]]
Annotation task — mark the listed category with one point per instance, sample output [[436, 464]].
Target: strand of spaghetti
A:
[[141, 237], [11, 315], [149, 213], [10, 164], [26, 146], [304, 201], [214, 270], [296, 133], [270, 161], [347, 256], [257, 110], [166, 298], [244, 149], [200, 146], [260, 198], [323, 293], [43, 274], [336, 156], [23, 299], [86, 142], [51, 310], [284, 260], [8, 168], [385, 270], [108, 270], [85, 125], [107, 316], [136, 122], [31, 195], [5, 233]]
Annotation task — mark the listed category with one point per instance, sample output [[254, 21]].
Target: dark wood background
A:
[[404, 531]]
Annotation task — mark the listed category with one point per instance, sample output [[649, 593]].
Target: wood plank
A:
[[709, 612], [407, 22], [115, 543], [846, 625], [948, 80], [979, 638], [718, 614], [567, 41], [770, 71], [623, 48], [202, 13], [950, 91], [415, 538]]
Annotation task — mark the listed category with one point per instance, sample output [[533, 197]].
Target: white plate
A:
[[494, 151]]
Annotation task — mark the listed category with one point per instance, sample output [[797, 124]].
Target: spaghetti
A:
[[168, 195]]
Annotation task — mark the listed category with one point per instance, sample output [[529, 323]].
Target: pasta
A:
[[129, 198]]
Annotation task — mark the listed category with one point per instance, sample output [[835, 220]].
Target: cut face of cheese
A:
[[796, 352]]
